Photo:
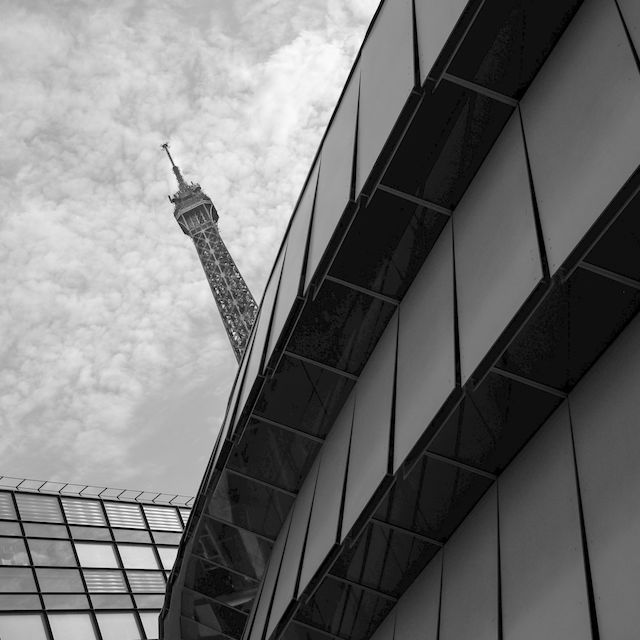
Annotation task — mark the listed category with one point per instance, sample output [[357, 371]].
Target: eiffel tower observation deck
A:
[[198, 218]]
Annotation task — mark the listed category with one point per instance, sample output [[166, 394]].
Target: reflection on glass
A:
[[19, 601], [59, 580], [96, 555], [104, 580], [163, 518], [65, 601], [10, 529], [7, 511], [150, 623], [20, 627], [118, 626], [32, 529], [137, 556], [90, 533], [124, 515], [71, 626], [127, 535], [14, 579], [83, 511], [39, 508], [168, 556], [150, 581], [56, 553], [110, 601], [13, 551]]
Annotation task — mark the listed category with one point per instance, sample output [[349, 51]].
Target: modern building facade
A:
[[198, 218], [433, 432], [84, 563]]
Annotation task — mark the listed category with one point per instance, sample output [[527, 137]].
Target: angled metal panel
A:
[[496, 248], [544, 590], [426, 348], [581, 123]]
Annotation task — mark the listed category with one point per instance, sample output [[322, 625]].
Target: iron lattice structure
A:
[[198, 218]]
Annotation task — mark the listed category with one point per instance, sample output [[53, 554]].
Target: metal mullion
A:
[[285, 427], [368, 292], [91, 610], [321, 365], [427, 204]]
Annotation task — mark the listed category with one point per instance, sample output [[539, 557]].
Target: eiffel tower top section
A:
[[197, 216]]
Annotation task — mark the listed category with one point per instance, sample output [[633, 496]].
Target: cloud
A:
[[113, 355]]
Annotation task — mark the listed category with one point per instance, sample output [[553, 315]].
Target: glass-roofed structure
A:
[[84, 563]]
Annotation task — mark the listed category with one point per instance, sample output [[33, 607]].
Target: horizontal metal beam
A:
[[461, 465], [321, 365], [284, 427], [611, 275], [399, 529], [531, 383], [479, 89], [226, 523], [359, 289], [264, 483], [415, 199], [364, 587]]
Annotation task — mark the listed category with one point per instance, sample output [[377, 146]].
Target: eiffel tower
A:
[[198, 218]]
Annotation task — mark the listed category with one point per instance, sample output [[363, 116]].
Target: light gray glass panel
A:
[[65, 601], [10, 529], [124, 515], [168, 556], [580, 156], [336, 172], [146, 581], [96, 555], [118, 626], [137, 556], [185, 513], [16, 579], [59, 580], [631, 13], [56, 553], [13, 551], [111, 601], [435, 19], [7, 510], [604, 410], [87, 512], [387, 80], [104, 580], [294, 259], [293, 551], [19, 602], [126, 535], [149, 600], [20, 627], [71, 626], [32, 529], [417, 610], [166, 538], [426, 348], [544, 592], [269, 582], [150, 623], [163, 518], [325, 514], [369, 457], [496, 248], [41, 508], [470, 576]]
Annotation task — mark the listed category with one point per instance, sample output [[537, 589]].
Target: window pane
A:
[[185, 515], [83, 511], [40, 508], [18, 602], [118, 626], [52, 552], [96, 555], [166, 538], [31, 529], [150, 623], [7, 510], [111, 601], [59, 580], [149, 600], [127, 535], [71, 626], [13, 579], [90, 533], [65, 601], [124, 515], [146, 581], [168, 556], [10, 529], [13, 551], [19, 627], [164, 518], [137, 556], [98, 580]]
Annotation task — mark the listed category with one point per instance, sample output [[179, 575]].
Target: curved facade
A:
[[432, 432]]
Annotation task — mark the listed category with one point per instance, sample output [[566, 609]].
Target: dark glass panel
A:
[[215, 615], [340, 327], [303, 396], [274, 455], [191, 630]]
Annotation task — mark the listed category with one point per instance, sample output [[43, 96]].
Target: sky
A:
[[114, 365]]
